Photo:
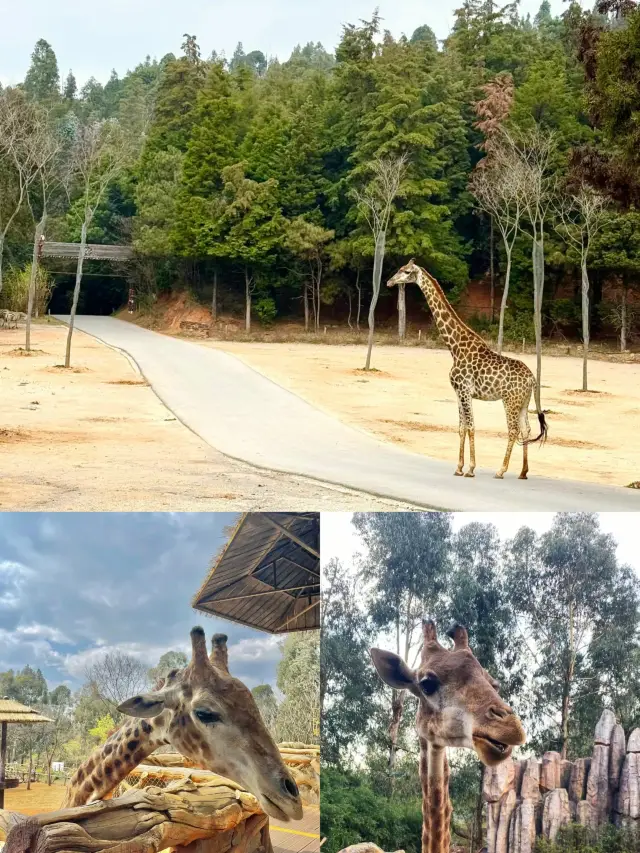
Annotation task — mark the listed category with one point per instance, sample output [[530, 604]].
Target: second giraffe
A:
[[479, 373]]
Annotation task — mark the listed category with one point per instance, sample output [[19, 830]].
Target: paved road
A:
[[247, 416]]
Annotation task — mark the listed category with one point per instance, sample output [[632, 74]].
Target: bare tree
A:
[[16, 167], [99, 154], [622, 314], [309, 242], [579, 217], [116, 677], [496, 187], [536, 188], [376, 204], [45, 145]]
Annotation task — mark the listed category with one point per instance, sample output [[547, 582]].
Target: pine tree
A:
[[42, 81], [70, 87]]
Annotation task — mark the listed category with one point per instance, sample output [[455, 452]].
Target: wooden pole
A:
[[3, 762]]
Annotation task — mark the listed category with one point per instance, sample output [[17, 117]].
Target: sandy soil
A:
[[41, 798], [97, 438], [409, 401]]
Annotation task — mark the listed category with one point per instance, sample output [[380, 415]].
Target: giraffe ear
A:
[[393, 670], [144, 705]]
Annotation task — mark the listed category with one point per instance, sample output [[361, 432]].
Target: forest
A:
[[272, 189], [85, 718], [553, 616]]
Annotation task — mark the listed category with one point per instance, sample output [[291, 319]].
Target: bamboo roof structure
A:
[[93, 251], [268, 574], [14, 712]]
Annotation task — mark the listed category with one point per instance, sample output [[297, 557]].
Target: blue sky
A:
[[74, 586], [118, 34]]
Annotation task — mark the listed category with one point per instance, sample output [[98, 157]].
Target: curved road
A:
[[247, 416]]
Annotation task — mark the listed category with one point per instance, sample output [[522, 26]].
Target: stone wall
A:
[[535, 797]]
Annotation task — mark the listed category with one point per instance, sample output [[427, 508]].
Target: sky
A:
[[91, 40], [74, 586], [339, 539]]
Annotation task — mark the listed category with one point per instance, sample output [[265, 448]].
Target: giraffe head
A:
[[458, 701], [408, 274], [212, 719]]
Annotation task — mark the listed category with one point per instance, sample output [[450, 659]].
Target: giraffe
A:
[[211, 718], [458, 705], [479, 373]]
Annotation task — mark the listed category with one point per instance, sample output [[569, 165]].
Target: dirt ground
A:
[[96, 437], [409, 401], [41, 798]]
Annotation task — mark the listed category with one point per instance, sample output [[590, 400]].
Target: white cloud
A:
[[45, 632], [255, 649]]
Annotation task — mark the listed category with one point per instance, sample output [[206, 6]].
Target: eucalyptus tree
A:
[[580, 216], [375, 201]]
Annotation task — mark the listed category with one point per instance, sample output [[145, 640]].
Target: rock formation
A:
[[534, 797]]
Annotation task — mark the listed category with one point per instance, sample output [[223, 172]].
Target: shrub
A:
[[352, 812], [15, 290], [579, 839]]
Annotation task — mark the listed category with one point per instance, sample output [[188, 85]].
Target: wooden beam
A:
[[3, 762], [268, 592], [290, 535]]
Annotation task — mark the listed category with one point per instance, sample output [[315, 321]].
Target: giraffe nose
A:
[[500, 711], [290, 786]]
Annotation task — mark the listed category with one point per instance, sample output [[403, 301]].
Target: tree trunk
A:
[[377, 277], [318, 284], [30, 770], [76, 291], [397, 707], [402, 312], [305, 296], [359, 291], [491, 271], [1, 260], [623, 319], [585, 325], [214, 298], [34, 277], [247, 294], [350, 298], [476, 834], [505, 296], [538, 289], [49, 780]]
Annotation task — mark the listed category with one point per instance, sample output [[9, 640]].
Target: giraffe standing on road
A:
[[479, 373]]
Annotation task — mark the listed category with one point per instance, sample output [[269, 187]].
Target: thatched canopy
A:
[[13, 712], [268, 575]]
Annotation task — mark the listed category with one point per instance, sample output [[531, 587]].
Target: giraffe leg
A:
[[513, 428], [465, 410], [462, 430], [525, 432]]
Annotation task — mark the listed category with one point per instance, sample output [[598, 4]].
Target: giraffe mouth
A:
[[497, 747]]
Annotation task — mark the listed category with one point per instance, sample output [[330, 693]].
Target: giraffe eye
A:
[[430, 683], [209, 718]]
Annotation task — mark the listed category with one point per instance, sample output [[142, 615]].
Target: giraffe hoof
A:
[[458, 474], [523, 477], [498, 476], [469, 474]]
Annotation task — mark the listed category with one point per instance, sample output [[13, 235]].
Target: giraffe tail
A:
[[544, 428]]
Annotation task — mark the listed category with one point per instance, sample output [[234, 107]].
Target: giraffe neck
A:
[[450, 327], [436, 806], [113, 760]]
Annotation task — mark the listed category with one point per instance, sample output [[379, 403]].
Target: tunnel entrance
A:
[[104, 284]]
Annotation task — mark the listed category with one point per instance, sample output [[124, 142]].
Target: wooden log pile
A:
[[303, 761], [213, 817], [530, 798]]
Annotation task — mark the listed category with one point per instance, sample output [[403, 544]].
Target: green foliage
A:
[[298, 677], [103, 728], [579, 839], [42, 80], [353, 812]]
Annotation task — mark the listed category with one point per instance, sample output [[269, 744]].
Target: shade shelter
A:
[[268, 574], [13, 712]]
